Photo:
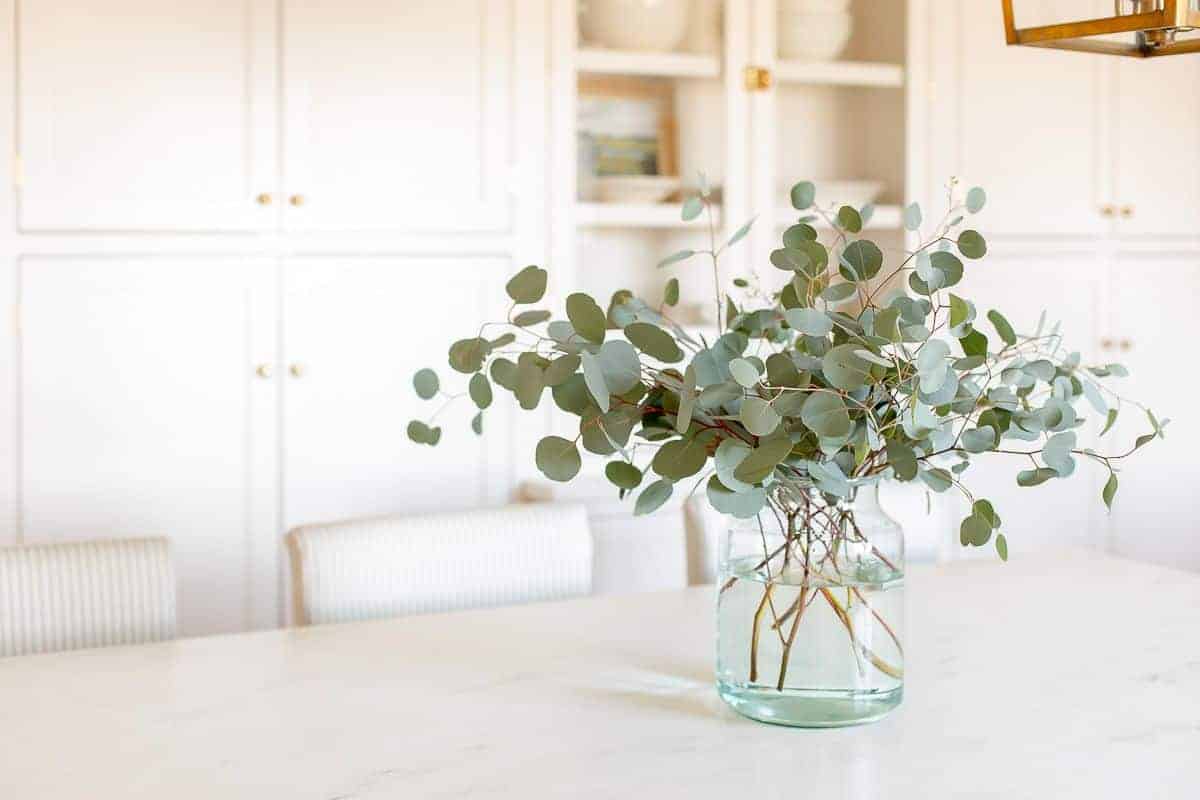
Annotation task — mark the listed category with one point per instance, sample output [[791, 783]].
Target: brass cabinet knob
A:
[[296, 200], [1126, 212], [296, 370], [1108, 211], [1106, 344], [1126, 345], [264, 371], [264, 199], [757, 79]]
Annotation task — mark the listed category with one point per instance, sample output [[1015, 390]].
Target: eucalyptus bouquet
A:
[[849, 373], [840, 375]]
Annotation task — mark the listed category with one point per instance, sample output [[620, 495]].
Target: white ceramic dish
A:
[[814, 37], [648, 25], [636, 188]]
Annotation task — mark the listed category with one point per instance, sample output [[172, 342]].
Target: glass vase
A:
[[810, 611]]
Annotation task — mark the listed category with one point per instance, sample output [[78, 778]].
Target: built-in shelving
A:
[[840, 73], [636, 215], [598, 61]]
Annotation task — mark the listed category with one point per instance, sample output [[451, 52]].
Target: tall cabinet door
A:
[[1010, 107], [1156, 124], [356, 330], [1059, 511], [145, 116], [1154, 515], [398, 114], [140, 415]]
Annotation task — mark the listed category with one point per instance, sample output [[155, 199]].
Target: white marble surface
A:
[[1051, 677]]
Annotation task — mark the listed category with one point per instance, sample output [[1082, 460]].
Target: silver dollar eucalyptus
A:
[[854, 369]]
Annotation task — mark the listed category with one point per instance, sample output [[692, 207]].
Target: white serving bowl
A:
[[814, 37], [653, 25], [636, 188]]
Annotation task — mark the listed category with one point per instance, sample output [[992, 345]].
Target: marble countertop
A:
[[1072, 676]]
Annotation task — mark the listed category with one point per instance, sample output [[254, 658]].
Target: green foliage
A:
[[426, 384], [527, 286], [838, 377]]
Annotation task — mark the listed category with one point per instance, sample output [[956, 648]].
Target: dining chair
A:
[[632, 554], [397, 565], [71, 595]]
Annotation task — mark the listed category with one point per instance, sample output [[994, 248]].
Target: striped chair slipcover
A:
[[390, 566], [85, 594]]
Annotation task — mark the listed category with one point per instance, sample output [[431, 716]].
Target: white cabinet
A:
[[1063, 511], [355, 331], [398, 115], [1027, 124], [140, 115], [240, 115], [1154, 516], [1067, 144], [1156, 127], [140, 414]]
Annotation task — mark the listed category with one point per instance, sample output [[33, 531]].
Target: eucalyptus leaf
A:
[[480, 390], [671, 293], [864, 258], [759, 417], [692, 207], [744, 372], [804, 194], [676, 257], [687, 401], [680, 458], [912, 217], [971, 244], [653, 497], [467, 355], [825, 414], [849, 219], [558, 458], [593, 376], [623, 475], [587, 318], [654, 342], [528, 318], [527, 286], [810, 321], [426, 384], [976, 200]]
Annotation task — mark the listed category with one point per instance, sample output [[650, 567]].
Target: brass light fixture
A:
[[1157, 28]]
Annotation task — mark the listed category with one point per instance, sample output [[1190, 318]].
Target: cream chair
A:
[[85, 594], [390, 566]]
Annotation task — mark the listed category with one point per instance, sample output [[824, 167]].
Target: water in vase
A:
[[797, 649]]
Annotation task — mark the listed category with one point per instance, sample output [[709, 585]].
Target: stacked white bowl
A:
[[814, 30], [648, 25]]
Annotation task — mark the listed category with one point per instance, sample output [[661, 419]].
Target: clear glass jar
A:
[[810, 611]]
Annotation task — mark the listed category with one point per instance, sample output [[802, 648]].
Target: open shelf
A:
[[840, 73], [637, 215], [598, 61], [884, 218]]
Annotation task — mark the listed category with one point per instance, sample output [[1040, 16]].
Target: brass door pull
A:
[[264, 371], [1126, 212], [264, 199], [296, 200], [296, 370], [1108, 211]]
